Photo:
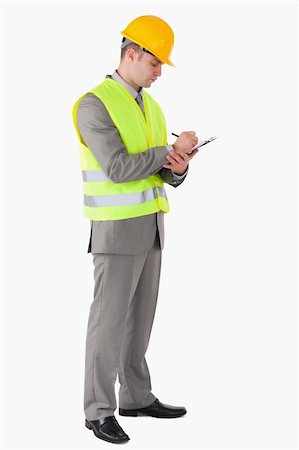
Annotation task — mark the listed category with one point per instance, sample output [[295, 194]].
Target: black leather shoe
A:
[[107, 429], [155, 409]]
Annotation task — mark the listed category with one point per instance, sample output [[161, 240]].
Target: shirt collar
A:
[[129, 88]]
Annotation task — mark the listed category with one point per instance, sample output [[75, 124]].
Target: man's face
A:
[[146, 69]]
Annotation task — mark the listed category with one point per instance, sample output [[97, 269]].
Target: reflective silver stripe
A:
[[94, 175], [133, 198], [162, 192]]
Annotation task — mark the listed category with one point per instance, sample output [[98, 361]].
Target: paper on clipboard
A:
[[201, 143]]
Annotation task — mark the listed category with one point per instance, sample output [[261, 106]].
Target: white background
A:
[[224, 338]]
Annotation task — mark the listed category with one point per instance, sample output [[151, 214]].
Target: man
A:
[[125, 160]]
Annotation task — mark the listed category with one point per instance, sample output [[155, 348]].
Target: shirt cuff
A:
[[177, 177]]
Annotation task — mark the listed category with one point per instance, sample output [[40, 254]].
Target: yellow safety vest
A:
[[108, 200]]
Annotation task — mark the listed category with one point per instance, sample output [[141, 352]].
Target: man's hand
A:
[[185, 141], [179, 161]]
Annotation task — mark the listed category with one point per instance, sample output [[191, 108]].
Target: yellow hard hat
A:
[[152, 34]]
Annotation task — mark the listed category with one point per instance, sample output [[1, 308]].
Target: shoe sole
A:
[[138, 413], [104, 438]]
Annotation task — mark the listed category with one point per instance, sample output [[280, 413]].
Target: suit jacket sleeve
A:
[[101, 136], [170, 178]]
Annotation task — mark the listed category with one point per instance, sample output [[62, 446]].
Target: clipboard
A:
[[201, 143]]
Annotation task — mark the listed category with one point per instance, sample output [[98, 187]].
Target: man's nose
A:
[[158, 71]]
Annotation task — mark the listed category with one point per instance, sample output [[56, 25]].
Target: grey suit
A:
[[127, 259]]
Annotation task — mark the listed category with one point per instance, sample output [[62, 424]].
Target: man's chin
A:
[[148, 83]]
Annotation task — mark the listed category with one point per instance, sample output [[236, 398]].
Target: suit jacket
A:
[[129, 236]]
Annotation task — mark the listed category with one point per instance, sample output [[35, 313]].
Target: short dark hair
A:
[[135, 47]]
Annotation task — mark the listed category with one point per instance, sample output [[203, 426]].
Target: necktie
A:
[[140, 102]]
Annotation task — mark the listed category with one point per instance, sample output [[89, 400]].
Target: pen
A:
[[175, 134]]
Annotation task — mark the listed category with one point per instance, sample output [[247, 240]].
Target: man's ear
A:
[[131, 54]]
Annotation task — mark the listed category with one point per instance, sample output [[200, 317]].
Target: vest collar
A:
[[115, 76]]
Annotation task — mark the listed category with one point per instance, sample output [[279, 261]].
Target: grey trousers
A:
[[118, 332]]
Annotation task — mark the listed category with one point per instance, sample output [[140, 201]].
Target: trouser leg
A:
[[134, 376], [116, 278]]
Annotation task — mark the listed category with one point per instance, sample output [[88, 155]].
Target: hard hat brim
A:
[[163, 59]]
